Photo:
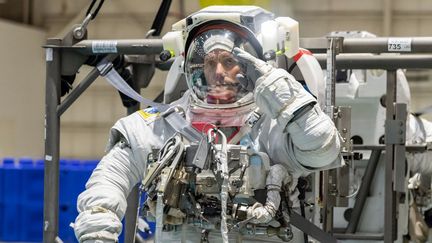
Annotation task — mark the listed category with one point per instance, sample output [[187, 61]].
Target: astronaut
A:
[[228, 81]]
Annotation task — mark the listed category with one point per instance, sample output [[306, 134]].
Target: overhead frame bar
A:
[[357, 61], [368, 45], [127, 47]]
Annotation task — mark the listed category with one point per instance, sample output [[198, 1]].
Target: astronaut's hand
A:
[[254, 68], [260, 214], [414, 182], [276, 92]]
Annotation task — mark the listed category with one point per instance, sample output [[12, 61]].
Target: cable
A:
[[94, 14]]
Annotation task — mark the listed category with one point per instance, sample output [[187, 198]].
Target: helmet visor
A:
[[213, 72]]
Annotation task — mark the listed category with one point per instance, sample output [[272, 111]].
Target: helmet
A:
[[211, 69], [205, 40]]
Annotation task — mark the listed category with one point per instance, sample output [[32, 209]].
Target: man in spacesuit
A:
[[228, 81]]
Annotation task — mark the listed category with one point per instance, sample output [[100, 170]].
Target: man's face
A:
[[220, 70]]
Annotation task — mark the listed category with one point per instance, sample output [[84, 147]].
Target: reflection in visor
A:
[[225, 93], [220, 70], [211, 69]]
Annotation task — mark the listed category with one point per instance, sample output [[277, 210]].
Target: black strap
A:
[[291, 68], [97, 9], [160, 18]]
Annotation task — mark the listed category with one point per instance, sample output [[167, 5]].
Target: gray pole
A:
[[372, 45], [330, 175], [363, 191], [389, 195], [131, 214], [361, 61], [82, 86], [133, 46], [52, 142], [381, 45], [327, 213], [332, 51]]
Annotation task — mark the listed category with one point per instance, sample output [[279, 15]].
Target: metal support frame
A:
[[343, 124], [419, 148], [127, 47], [61, 57], [52, 141], [330, 178], [368, 45], [359, 61], [82, 86], [399, 132], [395, 151], [390, 223], [363, 191], [333, 49], [131, 214], [55, 50]]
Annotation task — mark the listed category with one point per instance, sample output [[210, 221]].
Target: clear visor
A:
[[213, 72]]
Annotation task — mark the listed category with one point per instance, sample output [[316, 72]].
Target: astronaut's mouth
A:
[[221, 97]]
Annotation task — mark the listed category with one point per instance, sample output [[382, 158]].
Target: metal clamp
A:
[[253, 118], [395, 132], [343, 124], [80, 31], [104, 67], [334, 48]]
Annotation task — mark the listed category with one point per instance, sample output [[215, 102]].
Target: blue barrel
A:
[[21, 198], [73, 177], [32, 197], [11, 200], [11, 211]]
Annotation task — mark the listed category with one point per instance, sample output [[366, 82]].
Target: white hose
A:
[[170, 147], [159, 218], [223, 158]]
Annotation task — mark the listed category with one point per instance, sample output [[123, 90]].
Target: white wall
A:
[[22, 86]]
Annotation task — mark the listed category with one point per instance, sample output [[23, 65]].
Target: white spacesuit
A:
[[227, 83]]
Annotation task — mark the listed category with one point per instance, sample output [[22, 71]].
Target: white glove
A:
[[254, 67], [260, 213], [276, 93], [414, 182], [277, 177]]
